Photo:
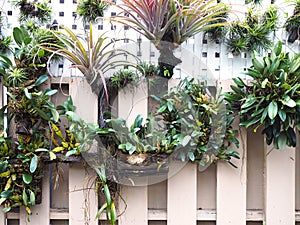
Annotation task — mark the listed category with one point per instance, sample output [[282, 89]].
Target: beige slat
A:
[[131, 102], [82, 197], [182, 196], [41, 212], [231, 182], [83, 201], [280, 186]]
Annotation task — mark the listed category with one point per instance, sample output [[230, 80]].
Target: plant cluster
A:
[[272, 99], [292, 24], [91, 10], [189, 123], [169, 23], [34, 132], [33, 12], [254, 32]]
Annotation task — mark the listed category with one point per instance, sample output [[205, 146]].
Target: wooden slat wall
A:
[[83, 201], [219, 195], [131, 102], [231, 182], [280, 186]]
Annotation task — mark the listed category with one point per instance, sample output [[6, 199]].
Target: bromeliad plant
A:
[[272, 100], [92, 57], [169, 23], [292, 24], [189, 124]]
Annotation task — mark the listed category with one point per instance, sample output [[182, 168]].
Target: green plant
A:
[[147, 70], [90, 10], [92, 58], [5, 44], [39, 12], [169, 23], [253, 33], [200, 122], [122, 77], [15, 77], [272, 100], [292, 25]]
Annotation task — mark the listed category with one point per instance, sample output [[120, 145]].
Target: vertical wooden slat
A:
[[41, 212], [182, 196], [83, 201], [280, 186], [131, 102], [231, 182], [82, 198]]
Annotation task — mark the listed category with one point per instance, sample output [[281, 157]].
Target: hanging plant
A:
[[292, 24], [39, 12], [91, 10], [253, 33], [272, 101]]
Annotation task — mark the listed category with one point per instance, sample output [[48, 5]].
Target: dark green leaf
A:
[[33, 164], [6, 194], [282, 115], [281, 141], [25, 197], [41, 80], [272, 110], [27, 178], [18, 36]]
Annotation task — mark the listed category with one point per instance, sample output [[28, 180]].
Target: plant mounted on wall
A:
[[39, 12], [272, 100], [292, 24], [253, 33], [91, 10], [189, 124], [169, 23]]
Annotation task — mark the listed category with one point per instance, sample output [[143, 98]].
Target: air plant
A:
[[92, 58], [169, 23]]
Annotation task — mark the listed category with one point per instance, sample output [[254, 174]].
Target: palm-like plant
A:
[[168, 23], [92, 58]]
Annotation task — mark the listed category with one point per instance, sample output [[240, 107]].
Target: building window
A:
[[61, 13], [74, 26], [100, 27], [9, 13]]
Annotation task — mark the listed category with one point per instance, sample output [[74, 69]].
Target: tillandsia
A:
[[272, 99], [169, 23]]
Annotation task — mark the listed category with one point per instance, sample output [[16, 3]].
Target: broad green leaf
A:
[[71, 152], [73, 116], [6, 194], [264, 83], [272, 110], [249, 102], [33, 164], [3, 166], [32, 197], [6, 209], [278, 48], [52, 155], [55, 115], [25, 197], [186, 140], [250, 122], [162, 109], [11, 96], [282, 115], [239, 81], [281, 141], [288, 102], [50, 92], [27, 94], [18, 36], [41, 80], [295, 65], [27, 178]]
